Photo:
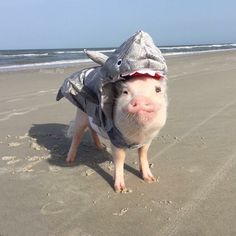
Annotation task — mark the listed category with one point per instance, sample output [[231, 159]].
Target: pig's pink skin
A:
[[139, 114], [141, 103], [141, 110], [80, 125]]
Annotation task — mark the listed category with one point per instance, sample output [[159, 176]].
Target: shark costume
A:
[[92, 89]]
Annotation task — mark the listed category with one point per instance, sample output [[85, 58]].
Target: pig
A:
[[140, 112], [124, 100]]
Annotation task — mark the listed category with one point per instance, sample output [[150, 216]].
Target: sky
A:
[[30, 24]]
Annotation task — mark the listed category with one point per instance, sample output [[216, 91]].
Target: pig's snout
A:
[[141, 103]]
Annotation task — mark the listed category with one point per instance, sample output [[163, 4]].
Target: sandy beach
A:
[[194, 158]]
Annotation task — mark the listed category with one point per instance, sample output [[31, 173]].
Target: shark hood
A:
[[92, 89], [138, 53]]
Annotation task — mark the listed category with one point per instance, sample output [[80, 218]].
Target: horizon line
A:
[[110, 47]]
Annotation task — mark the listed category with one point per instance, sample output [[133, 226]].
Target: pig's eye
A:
[[125, 92], [157, 89]]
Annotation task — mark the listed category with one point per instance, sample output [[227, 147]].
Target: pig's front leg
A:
[[119, 159], [144, 165]]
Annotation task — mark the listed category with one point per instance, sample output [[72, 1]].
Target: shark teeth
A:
[[150, 72]]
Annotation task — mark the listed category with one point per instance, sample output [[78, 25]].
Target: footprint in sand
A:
[[53, 208]]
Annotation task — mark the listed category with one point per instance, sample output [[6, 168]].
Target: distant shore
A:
[[15, 60], [63, 68]]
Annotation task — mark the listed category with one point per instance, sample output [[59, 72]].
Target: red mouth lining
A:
[[156, 76]]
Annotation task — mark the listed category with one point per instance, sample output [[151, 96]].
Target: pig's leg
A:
[[81, 123], [144, 165], [119, 159], [98, 144]]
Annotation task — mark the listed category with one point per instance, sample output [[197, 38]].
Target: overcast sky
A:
[[28, 24]]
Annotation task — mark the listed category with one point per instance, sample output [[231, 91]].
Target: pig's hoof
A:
[[70, 159], [120, 188], [150, 179], [123, 190]]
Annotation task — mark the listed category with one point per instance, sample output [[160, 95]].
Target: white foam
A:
[[70, 52], [196, 52], [82, 52], [109, 50], [199, 46], [26, 55], [42, 65]]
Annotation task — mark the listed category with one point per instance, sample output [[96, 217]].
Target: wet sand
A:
[[194, 158]]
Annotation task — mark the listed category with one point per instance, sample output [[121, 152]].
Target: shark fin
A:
[[97, 57], [59, 95]]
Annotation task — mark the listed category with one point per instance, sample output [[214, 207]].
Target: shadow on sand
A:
[[53, 137]]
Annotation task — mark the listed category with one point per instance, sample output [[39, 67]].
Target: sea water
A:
[[11, 60]]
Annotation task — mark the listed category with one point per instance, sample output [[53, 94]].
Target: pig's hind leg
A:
[[81, 123], [98, 144], [144, 165]]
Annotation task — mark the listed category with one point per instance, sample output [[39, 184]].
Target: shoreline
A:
[[64, 65]]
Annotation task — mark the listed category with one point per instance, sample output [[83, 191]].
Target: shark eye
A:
[[119, 62]]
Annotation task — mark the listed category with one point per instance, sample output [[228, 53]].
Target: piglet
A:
[[139, 113], [123, 99]]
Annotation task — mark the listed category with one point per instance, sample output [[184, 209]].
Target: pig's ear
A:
[[97, 57]]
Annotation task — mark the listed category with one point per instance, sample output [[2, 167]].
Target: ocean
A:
[[11, 60]]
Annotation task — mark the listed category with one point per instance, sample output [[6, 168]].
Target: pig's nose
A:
[[141, 103]]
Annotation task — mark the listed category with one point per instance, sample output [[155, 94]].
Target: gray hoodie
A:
[[92, 89]]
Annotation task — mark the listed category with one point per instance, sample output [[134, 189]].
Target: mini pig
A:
[[123, 99], [139, 113]]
